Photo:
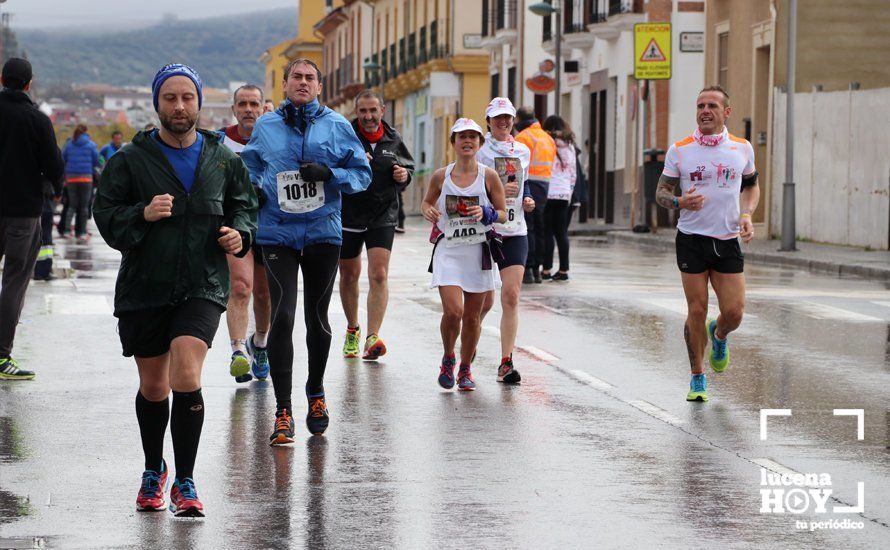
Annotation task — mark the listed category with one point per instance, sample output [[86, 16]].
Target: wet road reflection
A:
[[596, 448]]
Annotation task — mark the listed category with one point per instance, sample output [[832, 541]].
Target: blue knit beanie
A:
[[176, 69]]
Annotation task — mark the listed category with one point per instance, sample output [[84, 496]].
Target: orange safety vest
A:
[[543, 150]]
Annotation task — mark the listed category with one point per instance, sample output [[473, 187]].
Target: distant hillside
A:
[[222, 49]]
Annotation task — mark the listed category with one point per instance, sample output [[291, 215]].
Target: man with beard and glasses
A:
[[304, 155], [248, 277], [370, 219], [175, 202]]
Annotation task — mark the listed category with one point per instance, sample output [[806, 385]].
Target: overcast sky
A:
[[117, 13]]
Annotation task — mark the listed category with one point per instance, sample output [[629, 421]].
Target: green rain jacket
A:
[[166, 262]]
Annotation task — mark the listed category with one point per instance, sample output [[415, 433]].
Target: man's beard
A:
[[177, 127]]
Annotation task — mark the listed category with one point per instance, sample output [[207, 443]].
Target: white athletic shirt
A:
[[511, 149], [457, 264], [716, 172], [562, 175]]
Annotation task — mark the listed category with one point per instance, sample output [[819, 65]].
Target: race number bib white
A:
[[464, 231], [297, 196], [509, 170], [513, 213]]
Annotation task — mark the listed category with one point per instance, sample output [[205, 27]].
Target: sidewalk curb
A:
[[779, 259]]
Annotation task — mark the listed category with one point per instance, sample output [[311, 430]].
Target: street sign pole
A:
[[789, 223]]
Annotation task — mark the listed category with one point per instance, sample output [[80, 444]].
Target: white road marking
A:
[[657, 412], [678, 305], [77, 304], [885, 304], [822, 311], [493, 330], [774, 466], [411, 250], [538, 354], [592, 381]]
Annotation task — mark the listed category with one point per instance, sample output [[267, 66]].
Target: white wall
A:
[[687, 75], [841, 166]]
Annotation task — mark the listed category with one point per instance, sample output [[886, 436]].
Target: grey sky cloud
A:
[[124, 13]]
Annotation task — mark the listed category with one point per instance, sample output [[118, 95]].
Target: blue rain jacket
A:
[[279, 143]]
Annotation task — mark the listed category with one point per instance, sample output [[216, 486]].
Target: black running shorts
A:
[[698, 253], [379, 237], [515, 251], [148, 332]]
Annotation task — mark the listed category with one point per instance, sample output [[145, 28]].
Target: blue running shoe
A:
[[719, 357], [698, 388], [465, 380], [260, 363], [446, 372], [317, 419]]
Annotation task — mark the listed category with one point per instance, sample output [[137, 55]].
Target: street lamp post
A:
[[546, 9], [372, 66], [789, 237]]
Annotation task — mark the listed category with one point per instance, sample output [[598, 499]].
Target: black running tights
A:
[[318, 262], [556, 229]]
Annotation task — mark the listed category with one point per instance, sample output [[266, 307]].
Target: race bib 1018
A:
[[297, 196]]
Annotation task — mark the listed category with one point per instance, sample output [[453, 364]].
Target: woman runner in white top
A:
[[464, 199], [510, 159]]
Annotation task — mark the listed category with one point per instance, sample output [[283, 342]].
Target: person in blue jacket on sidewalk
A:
[[302, 156], [81, 158]]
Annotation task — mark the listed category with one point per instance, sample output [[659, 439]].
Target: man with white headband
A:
[[719, 192]]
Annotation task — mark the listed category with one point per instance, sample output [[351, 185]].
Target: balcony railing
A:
[[498, 15], [617, 7]]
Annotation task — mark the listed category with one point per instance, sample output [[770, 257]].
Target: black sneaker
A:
[[284, 429], [317, 418], [545, 275], [506, 373], [537, 275], [559, 276], [9, 370], [529, 277]]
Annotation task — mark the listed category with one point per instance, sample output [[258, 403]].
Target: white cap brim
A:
[[463, 124]]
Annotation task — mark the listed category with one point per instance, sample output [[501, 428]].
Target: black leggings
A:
[[318, 262], [556, 228]]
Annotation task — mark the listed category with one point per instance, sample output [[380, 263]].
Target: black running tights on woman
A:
[[318, 263], [556, 230]]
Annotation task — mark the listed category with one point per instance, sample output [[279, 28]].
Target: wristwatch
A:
[[676, 202]]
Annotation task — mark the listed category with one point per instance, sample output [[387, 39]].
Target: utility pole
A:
[[789, 235]]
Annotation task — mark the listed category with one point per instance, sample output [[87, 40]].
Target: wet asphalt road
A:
[[597, 448]]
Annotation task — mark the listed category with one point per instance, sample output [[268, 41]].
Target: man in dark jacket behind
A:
[[174, 202], [370, 218], [28, 155]]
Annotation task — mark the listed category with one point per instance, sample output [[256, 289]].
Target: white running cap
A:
[[462, 124], [500, 106]]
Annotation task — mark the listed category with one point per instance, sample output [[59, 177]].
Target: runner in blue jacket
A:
[[302, 156]]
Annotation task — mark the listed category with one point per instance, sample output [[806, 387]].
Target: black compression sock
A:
[[152, 417], [186, 422]]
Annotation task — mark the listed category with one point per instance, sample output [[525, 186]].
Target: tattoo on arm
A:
[[664, 193]]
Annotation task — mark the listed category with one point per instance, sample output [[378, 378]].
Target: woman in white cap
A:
[[510, 159], [464, 199]]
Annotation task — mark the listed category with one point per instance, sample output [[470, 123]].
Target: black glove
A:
[[312, 171]]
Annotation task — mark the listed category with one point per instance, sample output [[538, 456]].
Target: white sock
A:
[[239, 345], [259, 339]]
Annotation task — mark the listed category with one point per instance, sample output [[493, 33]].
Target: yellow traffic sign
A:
[[652, 51]]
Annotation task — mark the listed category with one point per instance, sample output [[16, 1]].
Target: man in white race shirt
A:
[[719, 192], [248, 276]]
